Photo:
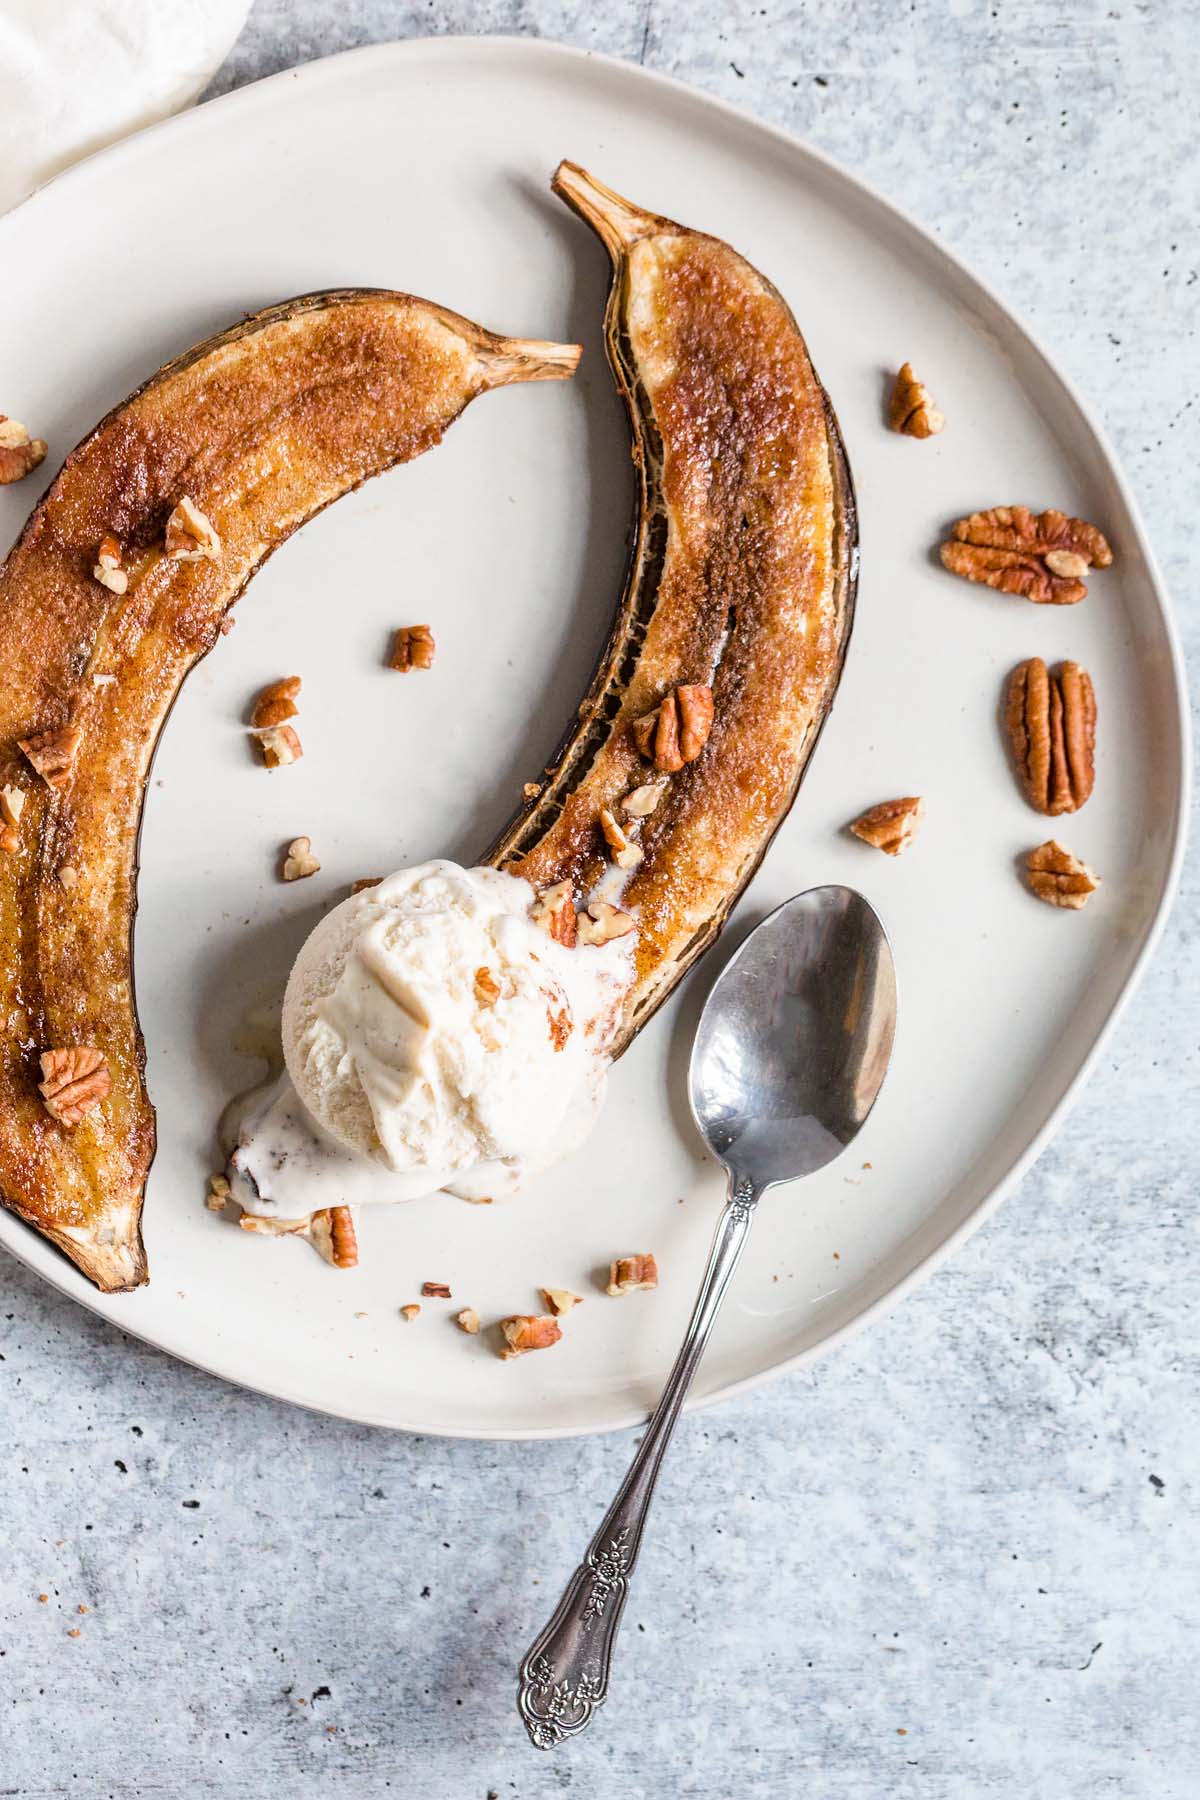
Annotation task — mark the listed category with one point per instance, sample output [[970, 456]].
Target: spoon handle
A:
[[564, 1677]]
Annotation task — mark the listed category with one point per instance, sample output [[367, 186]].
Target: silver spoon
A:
[[790, 1053]]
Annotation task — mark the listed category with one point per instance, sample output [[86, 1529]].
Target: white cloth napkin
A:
[[75, 74]]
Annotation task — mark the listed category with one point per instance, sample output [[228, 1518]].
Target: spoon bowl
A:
[[795, 1038]]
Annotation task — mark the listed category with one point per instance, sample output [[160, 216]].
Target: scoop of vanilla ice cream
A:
[[431, 1026]]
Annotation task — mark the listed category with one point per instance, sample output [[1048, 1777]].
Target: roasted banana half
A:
[[117, 586], [737, 604]]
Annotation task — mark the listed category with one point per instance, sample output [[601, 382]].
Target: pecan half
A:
[[413, 647], [74, 1082], [275, 703], [560, 1300], [911, 409], [190, 535], [625, 853], [1051, 721], [19, 453], [280, 745], [677, 730], [890, 826], [299, 862], [554, 911], [602, 922], [632, 1275], [1042, 556], [1059, 878], [523, 1332], [52, 753], [107, 570]]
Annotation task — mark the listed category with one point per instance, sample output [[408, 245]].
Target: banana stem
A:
[[616, 221], [529, 359]]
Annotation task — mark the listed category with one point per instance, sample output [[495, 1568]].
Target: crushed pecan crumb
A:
[[12, 805], [279, 745], [523, 1332], [487, 988], [410, 1312], [554, 911], [1042, 556], [678, 728], [364, 882], [625, 853], [330, 1232], [19, 453], [52, 753], [890, 826], [299, 861], [275, 703], [911, 410], [560, 1300], [1059, 878], [632, 1275], [74, 1082], [531, 790], [68, 877], [435, 1290], [468, 1320], [602, 922], [560, 1026], [413, 647], [191, 536], [107, 569], [1051, 722]]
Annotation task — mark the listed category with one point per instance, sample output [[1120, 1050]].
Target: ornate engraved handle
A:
[[564, 1678]]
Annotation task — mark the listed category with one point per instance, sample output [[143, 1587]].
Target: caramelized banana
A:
[[741, 580], [258, 429]]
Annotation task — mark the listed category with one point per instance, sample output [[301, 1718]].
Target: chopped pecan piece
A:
[[554, 911], [890, 826], [560, 1300], [641, 801], [410, 1312], [560, 1027], [52, 753], [524, 1332], [632, 1275], [275, 703], [1039, 555], [677, 730], [364, 882], [1060, 878], [330, 1232], [19, 453], [487, 988], [911, 409], [218, 1193], [468, 1320], [413, 647], [299, 861], [435, 1290], [332, 1235], [190, 536], [108, 571], [1052, 730], [602, 922], [74, 1082], [279, 745], [12, 805], [625, 853]]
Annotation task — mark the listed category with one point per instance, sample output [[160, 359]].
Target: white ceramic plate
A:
[[425, 167]]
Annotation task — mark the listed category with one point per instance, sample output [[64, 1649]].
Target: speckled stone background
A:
[[956, 1561]]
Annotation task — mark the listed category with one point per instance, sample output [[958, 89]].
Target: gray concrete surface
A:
[[957, 1561]]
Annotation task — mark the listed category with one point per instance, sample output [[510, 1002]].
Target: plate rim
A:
[[36, 1254]]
